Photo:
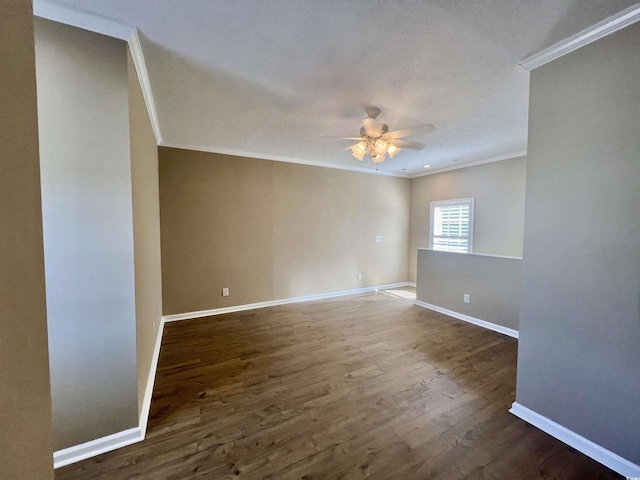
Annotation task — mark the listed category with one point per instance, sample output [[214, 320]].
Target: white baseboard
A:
[[148, 392], [137, 434], [96, 447], [476, 321], [121, 439], [272, 303], [599, 454]]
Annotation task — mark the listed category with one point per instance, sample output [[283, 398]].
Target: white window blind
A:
[[451, 226]]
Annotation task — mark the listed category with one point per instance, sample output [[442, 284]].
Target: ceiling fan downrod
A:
[[373, 112]]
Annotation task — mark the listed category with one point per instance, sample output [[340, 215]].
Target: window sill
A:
[[475, 254]]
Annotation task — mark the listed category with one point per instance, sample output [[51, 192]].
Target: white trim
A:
[[85, 20], [111, 28], [474, 163], [599, 454], [476, 321], [472, 253], [251, 306], [143, 78], [588, 35], [137, 434], [471, 201], [102, 445], [276, 158], [96, 447], [148, 392], [106, 26]]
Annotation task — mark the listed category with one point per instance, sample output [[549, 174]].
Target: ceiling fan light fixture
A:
[[393, 150], [358, 150], [381, 146], [377, 142]]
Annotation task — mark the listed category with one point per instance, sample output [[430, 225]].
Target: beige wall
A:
[[579, 355], [499, 190], [25, 401], [83, 115], [273, 230], [492, 283], [146, 229]]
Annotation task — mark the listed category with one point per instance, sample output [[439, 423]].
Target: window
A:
[[451, 227]]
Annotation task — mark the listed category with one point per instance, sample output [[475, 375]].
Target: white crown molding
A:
[[588, 35], [111, 28], [145, 85], [251, 306], [85, 20], [600, 454], [97, 447], [476, 321], [474, 163], [275, 158]]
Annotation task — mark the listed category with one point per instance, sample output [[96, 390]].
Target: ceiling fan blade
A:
[[372, 127], [359, 139], [422, 129], [407, 144]]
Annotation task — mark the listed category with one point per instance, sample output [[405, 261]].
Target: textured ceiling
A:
[[280, 78]]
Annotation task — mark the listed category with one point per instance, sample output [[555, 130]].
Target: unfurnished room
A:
[[319, 239]]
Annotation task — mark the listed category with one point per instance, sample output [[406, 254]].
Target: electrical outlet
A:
[[466, 298], [359, 276], [225, 292], [378, 238]]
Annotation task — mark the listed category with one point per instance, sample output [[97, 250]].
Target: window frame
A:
[[455, 201]]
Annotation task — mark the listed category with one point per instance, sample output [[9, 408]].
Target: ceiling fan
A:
[[377, 141]]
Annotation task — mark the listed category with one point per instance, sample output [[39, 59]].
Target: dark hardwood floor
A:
[[364, 386]]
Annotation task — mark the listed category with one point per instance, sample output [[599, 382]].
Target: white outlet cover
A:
[[378, 238]]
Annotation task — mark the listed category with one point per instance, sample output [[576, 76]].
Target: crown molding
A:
[[588, 35], [85, 20], [457, 166], [145, 85], [275, 158], [111, 28]]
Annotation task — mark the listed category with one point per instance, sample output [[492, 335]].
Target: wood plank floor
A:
[[364, 386]]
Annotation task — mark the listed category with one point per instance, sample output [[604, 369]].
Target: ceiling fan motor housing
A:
[[373, 112], [383, 128]]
